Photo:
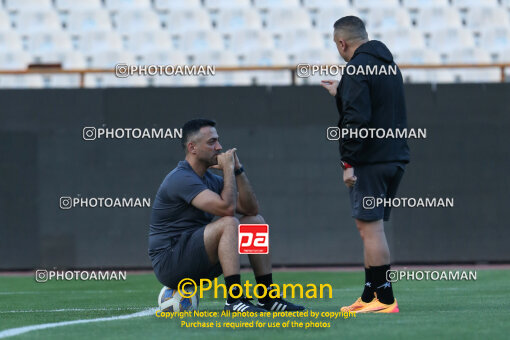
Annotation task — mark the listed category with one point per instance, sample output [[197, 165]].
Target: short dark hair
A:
[[193, 126], [353, 27]]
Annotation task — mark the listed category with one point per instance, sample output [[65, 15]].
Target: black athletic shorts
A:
[[186, 257], [373, 181]]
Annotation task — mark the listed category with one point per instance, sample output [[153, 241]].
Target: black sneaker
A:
[[279, 305], [242, 305]]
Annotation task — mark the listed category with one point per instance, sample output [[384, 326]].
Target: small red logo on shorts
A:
[[253, 239]]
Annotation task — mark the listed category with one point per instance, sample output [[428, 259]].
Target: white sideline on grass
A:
[[25, 329]]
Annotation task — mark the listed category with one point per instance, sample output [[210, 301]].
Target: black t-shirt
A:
[[172, 212]]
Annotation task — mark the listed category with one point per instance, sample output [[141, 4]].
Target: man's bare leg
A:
[[220, 239]]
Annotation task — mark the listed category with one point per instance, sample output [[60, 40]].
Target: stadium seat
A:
[[180, 21], [164, 57], [245, 41], [283, 19], [433, 76], [216, 58], [224, 78], [80, 22], [174, 81], [101, 80], [326, 17], [202, 40], [417, 56], [77, 5], [370, 4], [32, 21], [495, 39], [46, 42], [317, 57], [470, 55], [318, 4], [93, 42], [483, 17], [109, 58], [387, 18], [14, 60], [445, 40], [437, 18], [144, 41], [419, 4], [293, 41], [224, 4], [269, 58], [22, 81], [470, 4], [270, 4], [70, 60], [62, 80], [401, 39], [119, 5], [166, 5], [233, 19], [136, 20], [10, 41], [5, 23], [31, 5]]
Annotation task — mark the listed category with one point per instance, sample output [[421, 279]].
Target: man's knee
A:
[[228, 223], [256, 219]]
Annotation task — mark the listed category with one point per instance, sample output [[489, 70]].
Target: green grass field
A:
[[428, 310]]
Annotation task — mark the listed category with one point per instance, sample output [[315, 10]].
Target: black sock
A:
[[265, 280], [229, 281], [368, 292], [382, 286]]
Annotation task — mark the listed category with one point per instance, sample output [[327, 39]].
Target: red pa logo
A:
[[253, 239]]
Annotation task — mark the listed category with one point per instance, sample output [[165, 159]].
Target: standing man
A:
[[183, 240], [371, 167]]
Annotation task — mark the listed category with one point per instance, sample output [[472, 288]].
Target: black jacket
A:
[[372, 101]]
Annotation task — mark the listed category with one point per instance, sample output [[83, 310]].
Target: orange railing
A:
[[292, 69]]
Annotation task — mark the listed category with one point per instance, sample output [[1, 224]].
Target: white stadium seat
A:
[[70, 60], [216, 58], [95, 80], [5, 23], [293, 41], [371, 4], [282, 19], [474, 3], [470, 55], [164, 57], [130, 21], [32, 21], [179, 21], [417, 56], [109, 58], [79, 22], [224, 4], [318, 4], [46, 42], [326, 17], [402, 39], [166, 5], [202, 40], [22, 81], [270, 4], [92, 42], [118, 5], [145, 41], [436, 18], [451, 38], [77, 5], [388, 18], [245, 41], [494, 39], [33, 5], [174, 81], [317, 57], [62, 80], [419, 4], [483, 17], [233, 19], [227, 79], [269, 58], [10, 41], [14, 60]]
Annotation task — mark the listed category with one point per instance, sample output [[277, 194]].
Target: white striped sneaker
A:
[[242, 305], [279, 305]]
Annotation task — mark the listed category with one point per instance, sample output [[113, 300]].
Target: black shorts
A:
[[374, 181], [186, 257]]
